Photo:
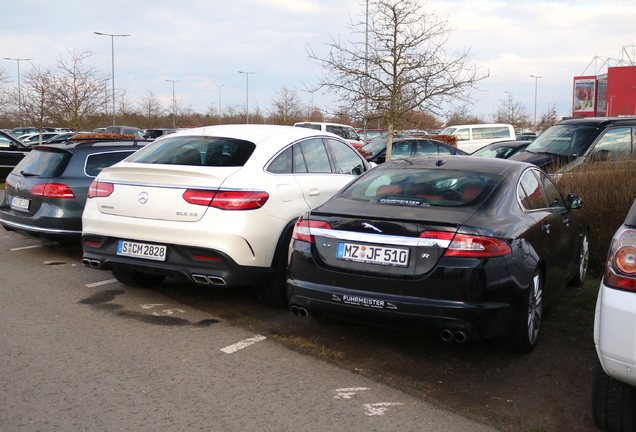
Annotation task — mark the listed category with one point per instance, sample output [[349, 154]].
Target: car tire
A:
[[524, 337], [613, 402], [274, 293], [583, 262], [137, 279]]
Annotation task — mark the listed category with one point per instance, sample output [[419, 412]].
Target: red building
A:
[[607, 95]]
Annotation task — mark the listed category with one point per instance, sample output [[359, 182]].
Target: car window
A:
[[347, 160], [552, 193], [530, 193], [402, 149], [96, 162], [350, 133], [422, 187], [462, 134], [282, 164], [337, 130], [44, 163], [427, 148], [4, 143], [613, 145], [565, 140], [314, 156], [197, 150]]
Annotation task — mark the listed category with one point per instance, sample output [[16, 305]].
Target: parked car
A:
[[46, 192], [156, 133], [475, 136], [344, 131], [125, 130], [34, 138], [61, 137], [19, 131], [214, 205], [371, 134], [579, 142], [461, 247], [11, 152], [405, 147], [501, 149], [614, 386]]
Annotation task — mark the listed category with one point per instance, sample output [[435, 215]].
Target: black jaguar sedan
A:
[[462, 247]]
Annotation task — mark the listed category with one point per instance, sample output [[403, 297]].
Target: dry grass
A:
[[608, 191]]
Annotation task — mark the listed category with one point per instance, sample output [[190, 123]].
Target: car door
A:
[[552, 236], [313, 171], [10, 155]]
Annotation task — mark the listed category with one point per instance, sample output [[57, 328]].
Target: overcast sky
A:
[[203, 44]]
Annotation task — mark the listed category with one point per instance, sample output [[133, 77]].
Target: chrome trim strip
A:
[[379, 238], [40, 230]]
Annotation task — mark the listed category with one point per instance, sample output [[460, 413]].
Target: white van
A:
[[344, 131], [474, 137]]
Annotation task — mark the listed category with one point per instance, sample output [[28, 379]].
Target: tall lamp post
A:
[[112, 42], [174, 104], [536, 79], [18, 60], [247, 94], [219, 86]]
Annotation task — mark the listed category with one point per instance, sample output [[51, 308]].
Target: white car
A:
[[614, 389], [214, 205]]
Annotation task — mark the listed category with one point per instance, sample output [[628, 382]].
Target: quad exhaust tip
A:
[[209, 280], [299, 311], [91, 263], [458, 336]]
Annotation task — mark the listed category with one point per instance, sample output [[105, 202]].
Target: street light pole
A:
[[247, 97], [112, 42], [18, 60], [219, 86], [174, 104], [536, 79]]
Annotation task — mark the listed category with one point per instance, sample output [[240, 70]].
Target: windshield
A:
[[448, 131], [564, 140], [374, 146]]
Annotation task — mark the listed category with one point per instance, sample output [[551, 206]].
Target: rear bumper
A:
[[615, 334], [64, 228], [198, 265]]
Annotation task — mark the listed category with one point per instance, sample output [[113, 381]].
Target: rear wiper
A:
[[28, 174]]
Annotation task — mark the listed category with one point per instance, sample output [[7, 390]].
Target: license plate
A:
[[141, 250], [373, 254], [20, 203]]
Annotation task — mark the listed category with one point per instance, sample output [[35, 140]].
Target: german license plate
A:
[[20, 203], [373, 254], [141, 250]]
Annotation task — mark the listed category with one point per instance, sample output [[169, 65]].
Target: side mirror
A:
[[13, 146], [574, 201]]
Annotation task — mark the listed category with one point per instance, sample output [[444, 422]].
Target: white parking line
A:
[[25, 247], [94, 284], [379, 408], [348, 393], [242, 344]]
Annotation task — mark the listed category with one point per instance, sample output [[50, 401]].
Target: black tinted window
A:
[[206, 151], [95, 163]]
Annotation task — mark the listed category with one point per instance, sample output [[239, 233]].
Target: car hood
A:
[[542, 160]]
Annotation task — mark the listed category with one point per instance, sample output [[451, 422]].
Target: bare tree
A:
[[151, 110], [78, 91], [461, 115], [513, 113], [37, 98], [287, 109], [402, 68], [4, 92]]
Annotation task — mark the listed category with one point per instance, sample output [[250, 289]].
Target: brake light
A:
[[302, 229], [99, 189], [53, 190], [620, 270], [468, 246], [227, 200]]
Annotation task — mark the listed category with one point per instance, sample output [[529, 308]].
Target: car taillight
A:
[[227, 200], [53, 190], [468, 246], [302, 229], [620, 270], [100, 189]]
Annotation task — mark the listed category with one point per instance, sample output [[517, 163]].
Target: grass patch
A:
[[308, 346]]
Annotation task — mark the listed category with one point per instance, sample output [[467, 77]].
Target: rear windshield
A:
[[196, 151], [308, 126], [423, 187], [96, 162], [43, 163]]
